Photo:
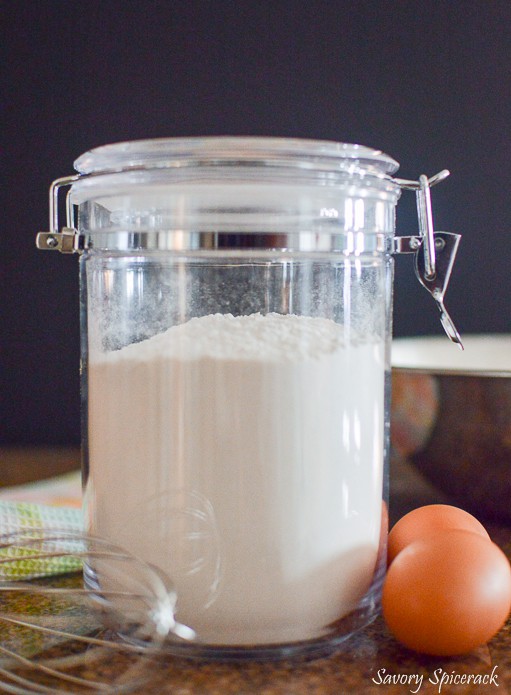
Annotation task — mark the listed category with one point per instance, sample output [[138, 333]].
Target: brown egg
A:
[[447, 594], [424, 522]]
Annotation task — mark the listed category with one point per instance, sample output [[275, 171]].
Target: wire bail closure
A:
[[66, 240], [425, 214], [434, 251]]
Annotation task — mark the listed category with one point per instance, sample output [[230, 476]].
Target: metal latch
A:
[[67, 240], [434, 251]]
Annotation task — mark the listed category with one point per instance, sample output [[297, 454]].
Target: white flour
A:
[[243, 456]]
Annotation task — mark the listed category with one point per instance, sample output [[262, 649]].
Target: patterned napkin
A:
[[33, 508]]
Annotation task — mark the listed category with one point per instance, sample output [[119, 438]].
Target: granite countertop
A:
[[370, 662]]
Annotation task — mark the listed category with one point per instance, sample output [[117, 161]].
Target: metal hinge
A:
[[66, 240]]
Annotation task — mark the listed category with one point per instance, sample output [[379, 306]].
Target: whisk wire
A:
[[126, 609], [53, 672], [86, 639]]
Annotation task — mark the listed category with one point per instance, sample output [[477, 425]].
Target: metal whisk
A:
[[59, 634]]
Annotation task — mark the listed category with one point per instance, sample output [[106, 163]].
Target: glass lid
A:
[[321, 155]]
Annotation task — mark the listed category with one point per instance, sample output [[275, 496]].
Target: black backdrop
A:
[[427, 82]]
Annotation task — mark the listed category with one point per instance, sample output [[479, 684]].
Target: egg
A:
[[447, 594], [427, 521]]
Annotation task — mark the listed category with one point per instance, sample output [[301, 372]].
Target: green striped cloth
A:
[[19, 558]]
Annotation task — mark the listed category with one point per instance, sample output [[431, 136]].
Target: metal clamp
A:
[[434, 251], [67, 240], [425, 215]]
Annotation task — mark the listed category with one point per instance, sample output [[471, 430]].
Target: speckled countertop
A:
[[363, 666], [370, 662]]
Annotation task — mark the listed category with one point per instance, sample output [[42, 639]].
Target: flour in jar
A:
[[243, 455]]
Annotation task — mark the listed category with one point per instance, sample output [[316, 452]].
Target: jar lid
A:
[[320, 155]]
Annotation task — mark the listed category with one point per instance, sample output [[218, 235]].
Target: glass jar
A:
[[236, 322]]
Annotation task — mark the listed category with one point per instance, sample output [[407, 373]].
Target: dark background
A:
[[427, 82]]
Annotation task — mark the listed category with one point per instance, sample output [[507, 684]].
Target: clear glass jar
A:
[[236, 320]]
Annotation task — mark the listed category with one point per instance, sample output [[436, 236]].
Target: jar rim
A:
[[162, 153]]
